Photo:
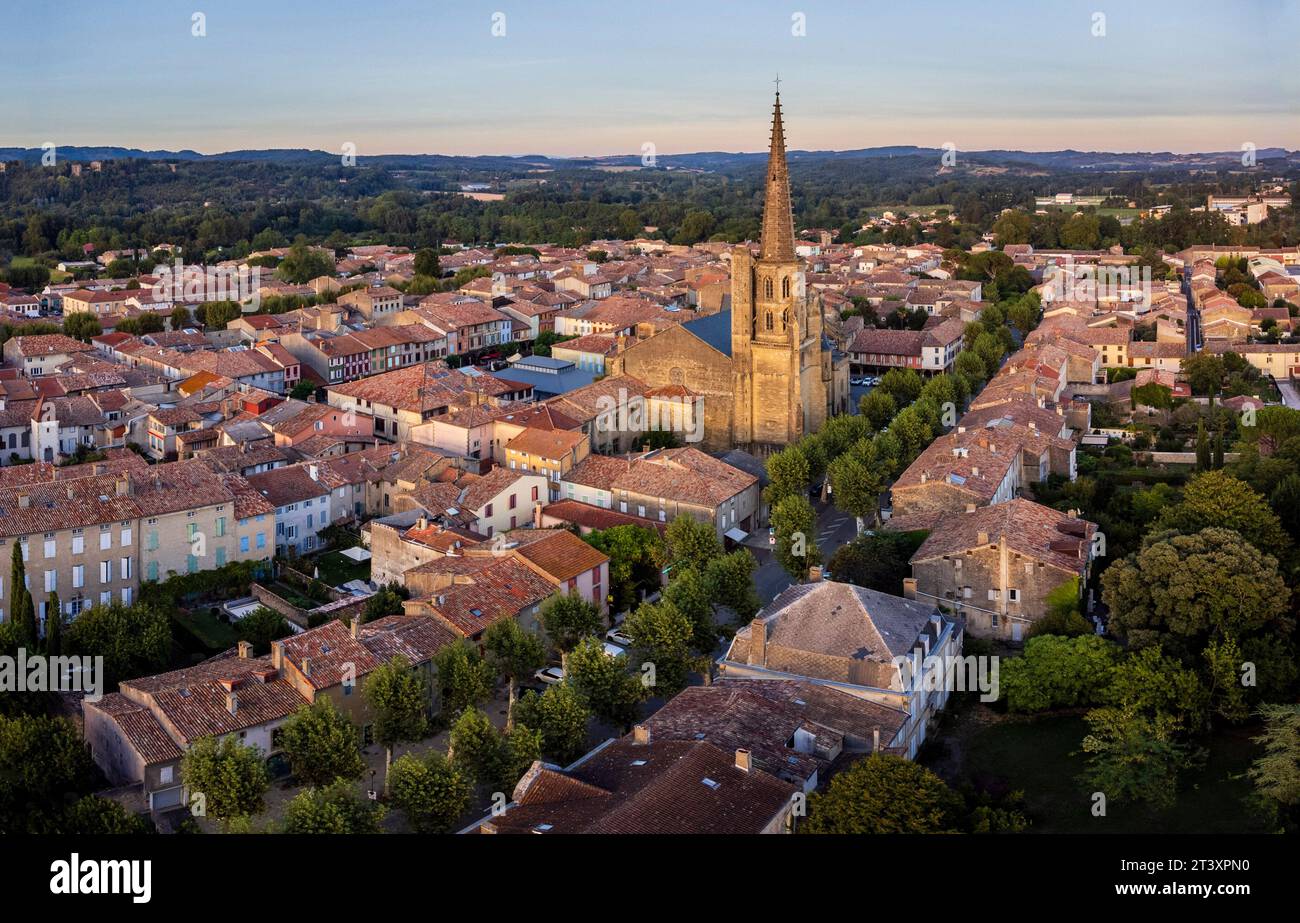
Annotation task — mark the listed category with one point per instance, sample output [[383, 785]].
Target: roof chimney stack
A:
[[245, 650], [744, 759], [641, 735]]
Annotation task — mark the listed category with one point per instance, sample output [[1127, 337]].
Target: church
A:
[[766, 373]]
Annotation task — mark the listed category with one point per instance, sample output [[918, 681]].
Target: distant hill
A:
[[710, 161]]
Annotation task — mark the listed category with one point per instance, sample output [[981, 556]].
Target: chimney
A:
[[744, 760], [641, 735], [909, 588], [757, 643], [24, 501], [355, 626], [232, 701], [975, 470], [922, 477], [815, 573], [71, 492], [306, 666], [421, 524], [314, 472], [875, 740], [1073, 514], [982, 538], [100, 468], [970, 507], [124, 485], [245, 650]]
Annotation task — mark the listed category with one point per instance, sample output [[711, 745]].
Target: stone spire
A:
[[778, 216]]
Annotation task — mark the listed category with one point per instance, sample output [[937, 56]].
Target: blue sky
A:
[[571, 77]]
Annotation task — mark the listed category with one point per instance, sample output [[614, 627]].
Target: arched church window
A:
[[767, 287], [768, 319], [785, 318], [785, 287]]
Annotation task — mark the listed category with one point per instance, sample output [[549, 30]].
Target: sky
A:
[[571, 77]]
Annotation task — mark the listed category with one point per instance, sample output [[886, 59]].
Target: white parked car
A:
[[616, 635], [549, 675]]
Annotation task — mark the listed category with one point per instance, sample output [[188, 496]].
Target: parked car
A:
[[613, 650], [616, 635], [550, 675]]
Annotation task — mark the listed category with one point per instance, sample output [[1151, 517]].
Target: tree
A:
[[431, 791], [856, 484], [561, 716], [1203, 458], [386, 602], [1130, 761], [789, 474], [300, 265], [262, 626], [903, 385], [426, 263], [464, 678], [214, 315], [133, 640], [730, 583], [96, 816], [475, 744], [795, 523], [883, 793], [634, 560], [399, 699], [321, 744], [567, 620], [689, 593], [611, 693], [231, 778], [23, 611], [514, 653], [691, 543], [971, 367], [82, 326], [335, 808], [43, 759], [302, 390], [1152, 394], [53, 625], [877, 562], [878, 407], [1285, 501], [1276, 772], [661, 635], [1183, 592], [180, 317], [1064, 615], [1204, 371], [1216, 498], [1057, 672]]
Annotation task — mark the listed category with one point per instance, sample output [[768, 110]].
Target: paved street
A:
[[834, 529], [1290, 394]]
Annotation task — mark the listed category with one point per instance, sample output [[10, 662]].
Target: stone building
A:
[[764, 369]]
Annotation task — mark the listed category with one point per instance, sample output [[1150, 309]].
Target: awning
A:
[[736, 535], [357, 554]]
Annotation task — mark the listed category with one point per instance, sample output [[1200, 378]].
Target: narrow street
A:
[[834, 528]]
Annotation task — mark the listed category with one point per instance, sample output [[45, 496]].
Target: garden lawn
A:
[[1042, 758], [336, 570]]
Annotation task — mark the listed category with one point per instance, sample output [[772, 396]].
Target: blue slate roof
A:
[[714, 330]]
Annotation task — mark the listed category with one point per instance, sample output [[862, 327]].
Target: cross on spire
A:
[[777, 81]]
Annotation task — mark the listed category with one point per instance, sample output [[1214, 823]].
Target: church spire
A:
[[778, 216]]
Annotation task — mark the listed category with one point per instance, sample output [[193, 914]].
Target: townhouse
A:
[[666, 483], [139, 735], [995, 567], [860, 642], [42, 354]]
